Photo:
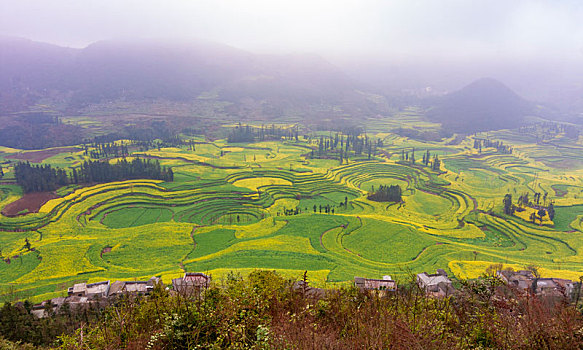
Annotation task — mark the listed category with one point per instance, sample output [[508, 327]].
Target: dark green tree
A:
[[507, 204], [551, 211]]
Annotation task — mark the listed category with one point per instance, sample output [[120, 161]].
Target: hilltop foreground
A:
[[266, 311]]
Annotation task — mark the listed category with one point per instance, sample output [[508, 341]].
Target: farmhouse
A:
[[527, 281], [92, 290], [376, 284], [133, 287], [191, 282], [556, 287], [437, 284], [521, 279], [83, 295], [47, 307]]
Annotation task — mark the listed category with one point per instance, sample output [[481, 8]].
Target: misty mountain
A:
[[485, 104], [150, 69], [30, 71]]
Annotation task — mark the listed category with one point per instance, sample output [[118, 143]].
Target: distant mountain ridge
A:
[[151, 69], [485, 104]]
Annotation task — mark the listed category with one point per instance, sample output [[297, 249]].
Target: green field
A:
[[226, 211]]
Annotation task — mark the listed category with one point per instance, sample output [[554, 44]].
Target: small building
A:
[[565, 287], [526, 281], [198, 279], [92, 290], [47, 307], [385, 284], [437, 284], [191, 282], [520, 279], [129, 287]]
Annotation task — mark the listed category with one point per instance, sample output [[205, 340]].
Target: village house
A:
[[556, 287], [92, 290], [83, 295], [385, 284], [521, 279], [191, 282], [133, 287], [129, 287], [437, 284], [526, 281], [47, 307]]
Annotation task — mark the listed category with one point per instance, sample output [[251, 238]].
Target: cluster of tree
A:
[[1, 172], [101, 147], [343, 146], [105, 150], [241, 134], [386, 193], [426, 135], [405, 157], [523, 200], [246, 133], [190, 145], [344, 203], [327, 209], [40, 118], [434, 163], [548, 130], [499, 145], [277, 132], [291, 211], [41, 178]]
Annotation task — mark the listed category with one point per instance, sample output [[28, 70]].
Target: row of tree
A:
[[343, 146], [248, 133], [548, 130], [434, 163], [104, 150], [42, 178], [499, 145], [100, 149]]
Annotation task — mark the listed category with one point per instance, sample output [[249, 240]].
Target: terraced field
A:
[[245, 206]]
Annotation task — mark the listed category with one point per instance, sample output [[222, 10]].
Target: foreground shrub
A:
[[265, 311]]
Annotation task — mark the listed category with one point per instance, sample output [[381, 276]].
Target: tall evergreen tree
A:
[[507, 204]]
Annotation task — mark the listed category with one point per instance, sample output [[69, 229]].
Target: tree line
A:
[[42, 178], [247, 133], [499, 145], [343, 146], [433, 163], [99, 149]]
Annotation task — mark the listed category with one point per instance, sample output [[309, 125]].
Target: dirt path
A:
[[181, 263]]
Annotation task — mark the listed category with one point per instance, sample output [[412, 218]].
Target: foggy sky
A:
[[409, 28]]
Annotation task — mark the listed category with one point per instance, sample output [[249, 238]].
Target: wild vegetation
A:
[[268, 311]]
